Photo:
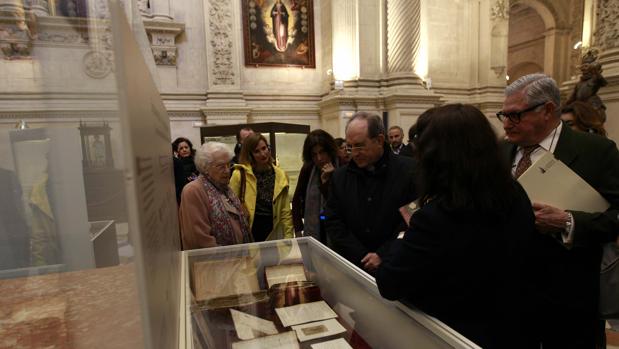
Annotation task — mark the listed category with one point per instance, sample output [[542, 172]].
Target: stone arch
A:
[[556, 50], [522, 69]]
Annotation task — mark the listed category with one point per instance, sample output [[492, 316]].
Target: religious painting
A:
[[279, 33]]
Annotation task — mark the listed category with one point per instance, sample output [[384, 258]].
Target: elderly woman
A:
[[263, 188], [210, 213]]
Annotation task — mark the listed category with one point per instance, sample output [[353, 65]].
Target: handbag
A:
[[609, 281]]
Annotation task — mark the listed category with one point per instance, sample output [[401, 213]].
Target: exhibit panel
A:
[[89, 250], [296, 293]]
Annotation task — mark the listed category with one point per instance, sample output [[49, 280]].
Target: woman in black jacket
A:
[[468, 257], [311, 194], [184, 167]]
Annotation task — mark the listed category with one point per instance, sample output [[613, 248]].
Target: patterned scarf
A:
[[314, 204], [225, 211]]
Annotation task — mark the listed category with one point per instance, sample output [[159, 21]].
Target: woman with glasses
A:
[[467, 257], [263, 189], [310, 196], [210, 213]]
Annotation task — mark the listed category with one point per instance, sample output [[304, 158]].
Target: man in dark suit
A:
[[362, 213], [570, 286]]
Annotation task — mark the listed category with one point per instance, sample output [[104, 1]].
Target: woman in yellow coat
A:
[[263, 189]]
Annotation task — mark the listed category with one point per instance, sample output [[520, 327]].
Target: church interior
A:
[[289, 66]]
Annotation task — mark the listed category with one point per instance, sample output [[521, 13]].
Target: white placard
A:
[[320, 329], [286, 340]]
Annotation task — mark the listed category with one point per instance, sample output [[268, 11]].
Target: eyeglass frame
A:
[[516, 117], [351, 148]]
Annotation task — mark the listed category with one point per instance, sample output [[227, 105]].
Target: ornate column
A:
[[40, 7], [606, 39], [403, 26], [225, 103], [160, 10], [606, 35]]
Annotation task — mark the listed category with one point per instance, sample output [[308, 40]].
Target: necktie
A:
[[525, 161]]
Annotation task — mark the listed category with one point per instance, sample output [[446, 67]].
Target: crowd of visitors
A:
[[440, 221]]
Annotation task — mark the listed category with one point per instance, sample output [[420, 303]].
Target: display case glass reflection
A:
[[297, 294]]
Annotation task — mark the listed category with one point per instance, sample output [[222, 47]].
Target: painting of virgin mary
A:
[[278, 33]]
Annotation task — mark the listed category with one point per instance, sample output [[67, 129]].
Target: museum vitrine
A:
[[296, 294]]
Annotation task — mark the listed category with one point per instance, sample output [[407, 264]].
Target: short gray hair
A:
[[375, 123], [538, 88], [204, 154]]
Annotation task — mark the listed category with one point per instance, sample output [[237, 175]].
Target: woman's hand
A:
[[326, 171]]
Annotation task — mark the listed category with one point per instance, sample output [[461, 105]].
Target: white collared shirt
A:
[[547, 144]]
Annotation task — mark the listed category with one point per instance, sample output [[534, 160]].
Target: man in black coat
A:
[[531, 121], [362, 213]]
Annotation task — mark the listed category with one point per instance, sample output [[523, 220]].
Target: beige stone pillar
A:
[[161, 9], [606, 38], [403, 24]]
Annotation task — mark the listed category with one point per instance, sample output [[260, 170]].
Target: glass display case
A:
[[286, 141], [296, 294]]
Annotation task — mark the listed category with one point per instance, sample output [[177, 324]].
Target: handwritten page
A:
[[249, 326], [279, 274], [339, 343], [304, 313]]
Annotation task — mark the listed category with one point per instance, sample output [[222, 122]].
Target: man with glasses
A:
[[569, 282], [362, 213]]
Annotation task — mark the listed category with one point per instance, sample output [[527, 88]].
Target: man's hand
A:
[[549, 219], [371, 261], [326, 172]]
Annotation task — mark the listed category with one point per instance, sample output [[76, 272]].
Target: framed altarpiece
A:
[[279, 33]]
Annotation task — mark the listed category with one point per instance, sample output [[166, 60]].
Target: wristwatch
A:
[[568, 222]]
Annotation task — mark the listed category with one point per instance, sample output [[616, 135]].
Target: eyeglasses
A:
[[516, 115], [221, 167], [351, 148]]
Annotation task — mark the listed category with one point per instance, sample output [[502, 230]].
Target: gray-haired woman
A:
[[210, 213]]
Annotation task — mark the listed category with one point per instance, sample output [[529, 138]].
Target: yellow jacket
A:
[[282, 217]]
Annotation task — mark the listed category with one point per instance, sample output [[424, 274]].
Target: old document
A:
[[249, 326], [225, 277], [279, 274], [286, 340], [339, 343], [303, 313], [320, 329]]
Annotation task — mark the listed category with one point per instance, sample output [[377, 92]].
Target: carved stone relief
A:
[[607, 28], [220, 25], [17, 31], [499, 10], [162, 37], [99, 62]]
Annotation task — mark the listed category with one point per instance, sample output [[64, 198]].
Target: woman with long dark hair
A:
[[312, 191], [185, 169], [464, 258]]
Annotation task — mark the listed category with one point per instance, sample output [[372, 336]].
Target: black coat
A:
[[571, 285], [473, 271], [362, 213]]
